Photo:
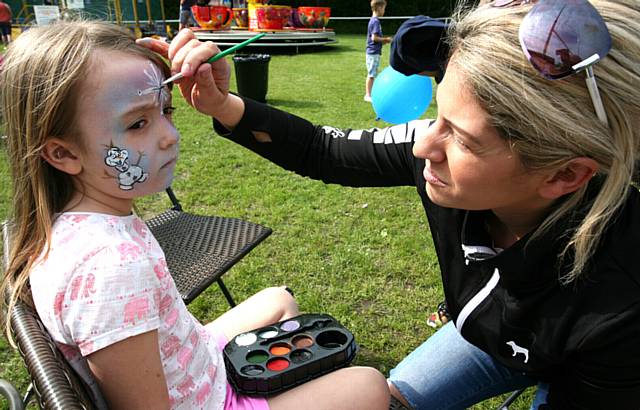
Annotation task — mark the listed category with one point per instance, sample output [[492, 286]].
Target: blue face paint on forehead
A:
[[154, 81], [138, 84]]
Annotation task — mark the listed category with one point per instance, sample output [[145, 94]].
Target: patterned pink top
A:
[[106, 279]]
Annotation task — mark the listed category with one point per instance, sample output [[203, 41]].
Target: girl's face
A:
[[124, 118], [468, 165]]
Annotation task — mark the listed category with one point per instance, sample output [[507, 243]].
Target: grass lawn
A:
[[365, 255]]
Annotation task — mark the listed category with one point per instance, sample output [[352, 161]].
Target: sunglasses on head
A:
[[563, 37]]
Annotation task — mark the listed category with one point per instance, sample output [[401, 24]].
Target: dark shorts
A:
[[186, 18], [5, 28]]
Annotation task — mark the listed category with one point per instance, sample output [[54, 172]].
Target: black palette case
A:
[[274, 358]]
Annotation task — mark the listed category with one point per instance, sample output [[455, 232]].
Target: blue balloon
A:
[[398, 98]]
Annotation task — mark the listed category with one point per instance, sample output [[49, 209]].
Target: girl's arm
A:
[[130, 373]]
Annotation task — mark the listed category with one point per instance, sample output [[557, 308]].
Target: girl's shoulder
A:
[[82, 241], [84, 228], [102, 250]]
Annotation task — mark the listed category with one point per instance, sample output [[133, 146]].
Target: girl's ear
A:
[[572, 176], [62, 155]]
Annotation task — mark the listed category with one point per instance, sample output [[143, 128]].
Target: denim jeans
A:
[[447, 372]]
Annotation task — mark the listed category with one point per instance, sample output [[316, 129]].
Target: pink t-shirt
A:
[[106, 279]]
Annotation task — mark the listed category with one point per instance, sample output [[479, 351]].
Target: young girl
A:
[[89, 130]]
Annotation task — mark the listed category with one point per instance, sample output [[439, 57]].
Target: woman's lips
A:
[[432, 178]]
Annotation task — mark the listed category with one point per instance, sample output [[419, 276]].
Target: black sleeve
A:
[[373, 157], [607, 374]]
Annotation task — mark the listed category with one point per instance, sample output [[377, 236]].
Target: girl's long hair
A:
[[40, 81], [548, 122]]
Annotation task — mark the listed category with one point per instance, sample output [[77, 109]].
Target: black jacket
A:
[[583, 338]]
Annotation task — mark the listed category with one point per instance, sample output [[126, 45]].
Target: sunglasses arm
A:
[[592, 86], [595, 97]]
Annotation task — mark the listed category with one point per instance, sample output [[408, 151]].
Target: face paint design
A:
[[127, 174], [154, 80]]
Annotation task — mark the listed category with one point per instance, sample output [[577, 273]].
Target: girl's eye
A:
[[138, 125], [167, 111]]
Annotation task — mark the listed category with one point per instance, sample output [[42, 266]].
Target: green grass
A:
[[363, 255]]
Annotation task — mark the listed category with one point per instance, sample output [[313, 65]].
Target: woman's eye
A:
[[460, 142], [138, 125]]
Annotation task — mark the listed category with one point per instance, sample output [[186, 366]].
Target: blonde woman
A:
[[527, 179]]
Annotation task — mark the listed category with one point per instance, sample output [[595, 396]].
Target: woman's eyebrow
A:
[[475, 140]]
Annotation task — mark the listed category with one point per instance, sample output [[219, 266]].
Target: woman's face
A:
[[468, 165]]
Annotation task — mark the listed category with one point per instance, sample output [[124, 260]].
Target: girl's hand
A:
[[204, 86]]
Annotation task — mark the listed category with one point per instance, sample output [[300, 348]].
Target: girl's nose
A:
[[431, 143], [170, 136]]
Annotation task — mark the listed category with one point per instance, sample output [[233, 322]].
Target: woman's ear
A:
[[569, 178], [62, 155]]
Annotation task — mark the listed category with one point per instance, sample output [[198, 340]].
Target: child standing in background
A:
[[90, 129], [375, 40], [186, 17]]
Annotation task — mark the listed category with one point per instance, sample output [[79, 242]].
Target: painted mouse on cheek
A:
[[128, 174]]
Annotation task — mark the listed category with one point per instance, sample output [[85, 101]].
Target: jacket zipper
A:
[[475, 301]]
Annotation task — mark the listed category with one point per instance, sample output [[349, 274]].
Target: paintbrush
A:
[[217, 56]]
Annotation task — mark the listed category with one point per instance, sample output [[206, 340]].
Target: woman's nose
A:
[[430, 144]]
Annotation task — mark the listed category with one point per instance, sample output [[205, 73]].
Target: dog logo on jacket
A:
[[517, 349]]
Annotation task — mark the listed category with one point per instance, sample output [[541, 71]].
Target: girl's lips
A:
[[432, 178], [169, 163]]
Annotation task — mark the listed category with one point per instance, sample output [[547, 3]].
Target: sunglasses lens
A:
[[555, 35]]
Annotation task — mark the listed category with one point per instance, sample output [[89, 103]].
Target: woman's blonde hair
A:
[[41, 79], [549, 122]]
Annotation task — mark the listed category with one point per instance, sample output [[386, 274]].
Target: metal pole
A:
[[118, 11], [135, 18]]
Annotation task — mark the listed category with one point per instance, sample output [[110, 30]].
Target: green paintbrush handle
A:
[[218, 56]]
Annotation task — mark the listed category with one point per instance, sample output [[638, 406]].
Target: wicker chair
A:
[[509, 400], [54, 382], [199, 250]]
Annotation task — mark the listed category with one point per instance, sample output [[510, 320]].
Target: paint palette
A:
[[274, 358]]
